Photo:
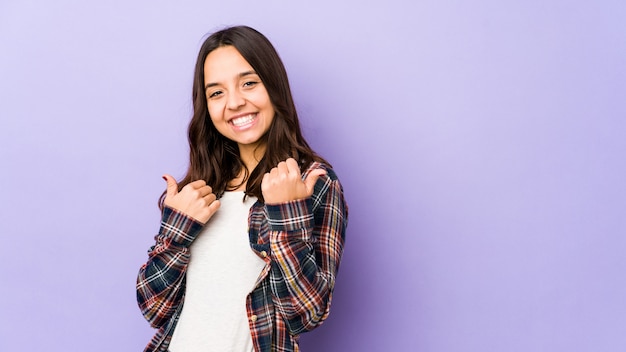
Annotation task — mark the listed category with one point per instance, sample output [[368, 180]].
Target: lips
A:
[[243, 120]]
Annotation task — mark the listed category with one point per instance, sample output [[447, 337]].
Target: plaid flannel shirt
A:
[[301, 242]]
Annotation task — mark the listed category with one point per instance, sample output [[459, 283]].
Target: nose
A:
[[235, 100]]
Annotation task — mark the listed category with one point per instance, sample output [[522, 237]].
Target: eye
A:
[[215, 94], [250, 84]]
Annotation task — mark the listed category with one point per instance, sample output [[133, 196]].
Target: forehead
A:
[[224, 63]]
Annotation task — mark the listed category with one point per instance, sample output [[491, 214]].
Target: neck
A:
[[251, 154]]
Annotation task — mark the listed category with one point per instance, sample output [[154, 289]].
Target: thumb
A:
[[311, 178], [172, 186]]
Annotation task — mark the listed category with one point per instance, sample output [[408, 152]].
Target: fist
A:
[[284, 183], [195, 200]]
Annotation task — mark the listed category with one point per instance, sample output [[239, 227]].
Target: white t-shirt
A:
[[222, 271]]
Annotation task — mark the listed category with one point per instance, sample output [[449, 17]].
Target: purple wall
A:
[[481, 148]]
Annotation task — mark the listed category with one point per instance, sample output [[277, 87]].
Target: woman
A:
[[251, 238]]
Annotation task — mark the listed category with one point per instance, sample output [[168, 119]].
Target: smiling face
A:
[[238, 103]]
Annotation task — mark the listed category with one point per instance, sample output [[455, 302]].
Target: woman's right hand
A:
[[195, 200]]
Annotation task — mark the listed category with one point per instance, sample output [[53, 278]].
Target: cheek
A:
[[261, 98], [214, 112], [270, 110]]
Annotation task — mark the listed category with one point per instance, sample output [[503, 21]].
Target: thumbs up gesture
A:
[[284, 183], [195, 200]]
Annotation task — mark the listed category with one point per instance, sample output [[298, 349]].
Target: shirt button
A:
[[264, 254], [253, 318]]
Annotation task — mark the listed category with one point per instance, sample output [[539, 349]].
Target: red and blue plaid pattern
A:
[[301, 242]]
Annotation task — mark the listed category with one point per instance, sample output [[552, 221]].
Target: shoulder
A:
[[330, 173], [328, 190]]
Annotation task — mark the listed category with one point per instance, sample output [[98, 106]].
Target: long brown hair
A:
[[214, 158]]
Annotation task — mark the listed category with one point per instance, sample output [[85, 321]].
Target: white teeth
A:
[[240, 121]]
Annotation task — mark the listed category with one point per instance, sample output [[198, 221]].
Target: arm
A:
[[306, 239], [160, 283]]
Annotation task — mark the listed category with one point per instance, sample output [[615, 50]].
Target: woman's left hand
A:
[[284, 182]]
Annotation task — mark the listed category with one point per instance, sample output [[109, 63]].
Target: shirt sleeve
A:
[[306, 240], [160, 283]]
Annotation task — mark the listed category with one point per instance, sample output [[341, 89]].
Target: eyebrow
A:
[[241, 75]]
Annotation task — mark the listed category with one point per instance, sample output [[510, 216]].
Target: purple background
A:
[[481, 147]]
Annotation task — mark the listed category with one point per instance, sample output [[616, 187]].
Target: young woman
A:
[[251, 238]]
